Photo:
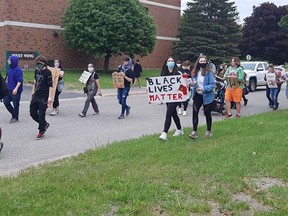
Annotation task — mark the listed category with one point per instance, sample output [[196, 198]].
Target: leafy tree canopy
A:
[[110, 27], [210, 27], [284, 22], [262, 37]]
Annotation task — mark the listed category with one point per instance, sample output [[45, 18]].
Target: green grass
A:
[[71, 78], [147, 176]]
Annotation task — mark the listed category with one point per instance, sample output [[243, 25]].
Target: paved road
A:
[[70, 135]]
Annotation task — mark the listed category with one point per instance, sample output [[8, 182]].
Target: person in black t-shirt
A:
[[42, 95], [122, 93], [93, 86]]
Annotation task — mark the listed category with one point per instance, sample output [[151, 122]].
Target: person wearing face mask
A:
[[15, 86], [122, 93], [59, 88], [169, 69], [185, 69], [203, 83], [93, 86], [234, 77], [42, 95]]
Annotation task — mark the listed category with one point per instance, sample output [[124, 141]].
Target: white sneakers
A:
[[54, 112], [178, 133], [180, 111], [184, 113], [163, 135]]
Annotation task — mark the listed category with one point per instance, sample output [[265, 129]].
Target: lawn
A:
[[71, 78], [148, 176]]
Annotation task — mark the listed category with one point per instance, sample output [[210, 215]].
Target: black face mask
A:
[[202, 65], [39, 66]]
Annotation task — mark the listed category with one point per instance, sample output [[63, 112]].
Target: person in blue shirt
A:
[[203, 82], [15, 86]]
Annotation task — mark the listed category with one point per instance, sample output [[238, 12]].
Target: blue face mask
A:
[[170, 64]]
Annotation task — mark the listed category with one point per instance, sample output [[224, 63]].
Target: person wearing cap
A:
[[122, 93], [185, 69]]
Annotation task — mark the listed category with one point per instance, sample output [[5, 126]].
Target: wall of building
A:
[[36, 26]]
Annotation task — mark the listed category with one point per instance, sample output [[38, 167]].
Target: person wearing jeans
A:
[[203, 82], [122, 93], [15, 86]]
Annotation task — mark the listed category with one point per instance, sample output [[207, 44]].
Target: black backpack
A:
[[3, 87]]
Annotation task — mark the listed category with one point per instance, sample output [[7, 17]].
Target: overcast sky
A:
[[245, 7]]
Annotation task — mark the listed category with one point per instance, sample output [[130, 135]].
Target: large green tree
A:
[[284, 21], [110, 27], [262, 37], [210, 27]]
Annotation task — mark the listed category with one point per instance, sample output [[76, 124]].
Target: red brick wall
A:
[[49, 12]]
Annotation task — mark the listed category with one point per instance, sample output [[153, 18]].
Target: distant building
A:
[[35, 25]]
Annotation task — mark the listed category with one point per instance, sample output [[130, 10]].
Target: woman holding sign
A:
[[203, 83], [170, 69]]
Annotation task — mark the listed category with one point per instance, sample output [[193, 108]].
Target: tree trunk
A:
[[106, 62]]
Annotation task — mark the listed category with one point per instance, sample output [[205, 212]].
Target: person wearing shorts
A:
[[234, 77]]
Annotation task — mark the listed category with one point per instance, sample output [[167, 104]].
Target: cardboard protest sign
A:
[[118, 80], [167, 89], [271, 80], [84, 77], [55, 76]]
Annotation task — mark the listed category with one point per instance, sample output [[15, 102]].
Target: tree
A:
[[210, 27], [262, 37], [109, 28], [284, 22]]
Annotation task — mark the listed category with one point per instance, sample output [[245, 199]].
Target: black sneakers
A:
[[128, 110]]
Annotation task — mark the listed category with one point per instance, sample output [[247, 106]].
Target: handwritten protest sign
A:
[[118, 80], [167, 89], [271, 80], [84, 77]]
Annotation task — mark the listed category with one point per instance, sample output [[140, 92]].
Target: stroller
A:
[[219, 98]]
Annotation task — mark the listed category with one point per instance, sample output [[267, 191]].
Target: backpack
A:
[[3, 87]]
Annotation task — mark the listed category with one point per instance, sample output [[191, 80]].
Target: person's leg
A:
[[185, 103], [94, 103], [42, 114], [138, 79], [7, 102], [273, 96], [16, 103], [268, 96], [34, 107], [169, 114], [228, 99], [175, 116], [237, 96], [207, 112], [56, 99], [278, 91], [87, 104], [126, 107], [197, 103]]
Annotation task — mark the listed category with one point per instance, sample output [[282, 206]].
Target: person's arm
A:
[[50, 84], [129, 78], [99, 87], [211, 83], [20, 80], [240, 74]]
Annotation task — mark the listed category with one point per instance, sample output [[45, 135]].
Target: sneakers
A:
[[163, 136], [81, 115], [128, 110], [194, 135], [13, 120], [54, 112], [184, 113], [1, 146], [180, 111], [121, 117], [228, 115], [40, 136], [237, 116], [96, 113], [208, 134], [41, 133], [245, 102], [178, 133]]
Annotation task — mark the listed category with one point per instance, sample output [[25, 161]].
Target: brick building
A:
[[35, 25]]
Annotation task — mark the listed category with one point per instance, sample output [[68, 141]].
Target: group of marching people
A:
[[203, 83]]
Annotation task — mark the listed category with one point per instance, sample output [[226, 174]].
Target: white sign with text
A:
[[167, 89]]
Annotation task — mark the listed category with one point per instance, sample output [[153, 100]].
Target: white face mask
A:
[[90, 69], [56, 64], [178, 65]]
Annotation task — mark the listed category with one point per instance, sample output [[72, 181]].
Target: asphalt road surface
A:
[[70, 135]]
